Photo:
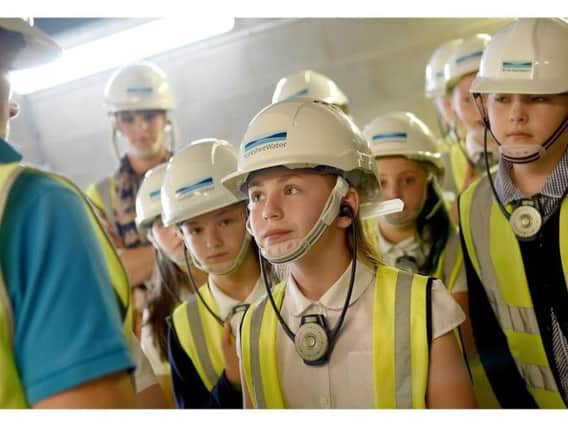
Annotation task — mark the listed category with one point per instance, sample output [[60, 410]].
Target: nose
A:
[[212, 239], [140, 122], [272, 209], [391, 191], [517, 112]]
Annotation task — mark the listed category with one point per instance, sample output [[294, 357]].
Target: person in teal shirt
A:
[[62, 343]]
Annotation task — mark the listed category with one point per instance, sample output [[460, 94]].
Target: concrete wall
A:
[[222, 83]]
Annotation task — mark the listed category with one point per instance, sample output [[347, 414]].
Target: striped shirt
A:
[[548, 199]]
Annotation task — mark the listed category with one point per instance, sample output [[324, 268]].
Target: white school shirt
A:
[[225, 303], [347, 380]]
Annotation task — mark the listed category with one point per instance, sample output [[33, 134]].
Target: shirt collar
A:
[[334, 298], [554, 187], [8, 154], [225, 303], [410, 244]]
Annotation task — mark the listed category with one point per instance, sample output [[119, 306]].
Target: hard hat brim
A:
[[39, 48], [522, 86]]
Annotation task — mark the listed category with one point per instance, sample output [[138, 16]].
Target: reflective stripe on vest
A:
[[496, 257], [200, 336], [400, 344], [11, 391], [101, 195], [456, 169], [450, 267]]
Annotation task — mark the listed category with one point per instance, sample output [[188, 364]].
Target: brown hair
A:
[[170, 281]]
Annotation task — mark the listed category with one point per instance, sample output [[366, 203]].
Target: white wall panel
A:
[[222, 83]]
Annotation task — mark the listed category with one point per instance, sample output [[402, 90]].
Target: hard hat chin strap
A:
[[328, 215], [234, 265], [151, 151], [519, 153]]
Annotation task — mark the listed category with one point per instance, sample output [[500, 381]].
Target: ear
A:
[[351, 199], [150, 237], [115, 124]]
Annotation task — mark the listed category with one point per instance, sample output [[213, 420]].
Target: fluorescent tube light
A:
[[120, 48]]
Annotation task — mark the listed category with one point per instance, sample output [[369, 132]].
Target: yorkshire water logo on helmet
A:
[[301, 92], [389, 136], [148, 199], [271, 141], [146, 90], [517, 66], [473, 56], [195, 187]]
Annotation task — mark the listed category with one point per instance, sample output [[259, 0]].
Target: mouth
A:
[[216, 257], [518, 135], [274, 235]]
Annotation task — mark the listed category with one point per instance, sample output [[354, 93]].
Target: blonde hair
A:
[[366, 252]]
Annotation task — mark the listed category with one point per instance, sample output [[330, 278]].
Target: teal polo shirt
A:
[[68, 329]]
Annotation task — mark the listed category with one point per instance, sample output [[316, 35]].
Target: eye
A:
[[409, 180], [195, 230], [150, 115], [255, 197], [500, 98], [226, 222], [538, 98], [291, 189], [126, 117]]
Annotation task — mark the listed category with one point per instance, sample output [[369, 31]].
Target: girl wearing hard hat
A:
[[170, 282], [311, 84], [342, 330], [459, 71], [451, 129], [139, 100], [514, 220], [204, 364], [421, 238]]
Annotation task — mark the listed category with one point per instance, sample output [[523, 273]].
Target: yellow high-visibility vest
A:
[[200, 336], [11, 390], [496, 257], [400, 304]]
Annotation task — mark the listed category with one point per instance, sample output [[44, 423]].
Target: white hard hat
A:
[[435, 82], [306, 133], [403, 134], [139, 86], [192, 185], [308, 83], [526, 56], [36, 46], [465, 58], [148, 202]]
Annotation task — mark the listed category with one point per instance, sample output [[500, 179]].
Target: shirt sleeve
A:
[[446, 312], [143, 375], [460, 284], [68, 329]]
